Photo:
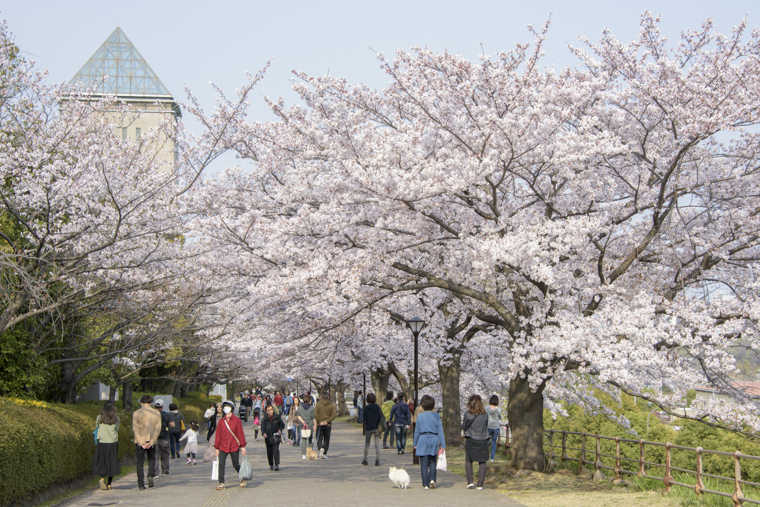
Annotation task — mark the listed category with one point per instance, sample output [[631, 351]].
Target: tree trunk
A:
[[177, 391], [451, 415], [340, 389], [406, 385], [525, 412], [379, 379], [112, 390], [67, 379], [127, 396]]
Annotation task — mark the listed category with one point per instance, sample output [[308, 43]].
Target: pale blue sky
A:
[[193, 42]]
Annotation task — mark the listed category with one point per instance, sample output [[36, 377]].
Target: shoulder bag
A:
[[231, 432]]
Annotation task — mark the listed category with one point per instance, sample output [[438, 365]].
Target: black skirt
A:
[[105, 463], [477, 450]]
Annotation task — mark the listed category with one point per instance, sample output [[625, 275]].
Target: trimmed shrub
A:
[[50, 442]]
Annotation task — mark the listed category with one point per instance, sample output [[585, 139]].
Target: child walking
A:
[[256, 424], [192, 442]]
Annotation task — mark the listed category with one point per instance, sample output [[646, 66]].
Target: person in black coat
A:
[[373, 417], [271, 427]]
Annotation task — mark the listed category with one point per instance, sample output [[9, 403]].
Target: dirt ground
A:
[[559, 489]]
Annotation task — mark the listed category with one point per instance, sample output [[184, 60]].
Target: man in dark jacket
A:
[[163, 444], [373, 417], [324, 414], [400, 420]]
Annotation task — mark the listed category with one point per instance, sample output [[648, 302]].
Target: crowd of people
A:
[[292, 420]]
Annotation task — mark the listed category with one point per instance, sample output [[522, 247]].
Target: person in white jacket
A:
[[210, 411], [192, 442]]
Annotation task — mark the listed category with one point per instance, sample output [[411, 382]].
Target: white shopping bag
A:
[[441, 465], [215, 470]]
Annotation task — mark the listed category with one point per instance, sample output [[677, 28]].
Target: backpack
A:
[[165, 418]]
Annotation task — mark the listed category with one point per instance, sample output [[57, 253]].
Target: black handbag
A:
[[277, 438]]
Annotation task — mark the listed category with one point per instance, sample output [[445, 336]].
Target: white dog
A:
[[399, 477]]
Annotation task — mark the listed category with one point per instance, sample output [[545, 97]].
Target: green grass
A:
[[688, 498]]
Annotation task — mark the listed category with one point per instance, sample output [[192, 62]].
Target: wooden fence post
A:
[[564, 446], [699, 486], [550, 463], [668, 478], [582, 459], [642, 472], [617, 459], [598, 476], [738, 496]]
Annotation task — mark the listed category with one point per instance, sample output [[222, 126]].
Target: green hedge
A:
[[44, 444]]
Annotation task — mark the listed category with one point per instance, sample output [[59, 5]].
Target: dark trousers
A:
[[323, 441], [174, 441], [359, 414], [273, 454], [367, 438], [428, 464], [140, 459], [468, 470], [388, 431], [223, 460], [400, 437], [162, 451]]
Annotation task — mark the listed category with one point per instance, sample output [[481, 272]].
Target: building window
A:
[[124, 133], [137, 132]]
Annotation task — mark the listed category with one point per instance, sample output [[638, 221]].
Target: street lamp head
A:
[[415, 324]]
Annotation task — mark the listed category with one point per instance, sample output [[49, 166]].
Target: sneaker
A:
[[303, 457], [220, 486], [426, 487], [277, 468], [242, 483], [324, 456], [166, 473], [377, 462], [491, 460], [189, 461], [194, 462], [156, 476], [364, 462], [271, 468], [470, 486], [321, 452], [432, 484], [103, 484], [480, 487], [141, 487], [150, 482], [386, 447]]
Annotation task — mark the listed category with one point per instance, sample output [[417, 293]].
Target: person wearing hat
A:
[[230, 440], [163, 445]]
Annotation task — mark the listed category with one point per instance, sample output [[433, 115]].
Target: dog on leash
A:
[[311, 454], [399, 477]]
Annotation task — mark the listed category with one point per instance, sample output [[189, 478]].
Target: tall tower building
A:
[[117, 68]]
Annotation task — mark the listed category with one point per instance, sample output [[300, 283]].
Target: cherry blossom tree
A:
[[591, 214]]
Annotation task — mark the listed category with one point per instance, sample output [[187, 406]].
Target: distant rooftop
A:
[[118, 68]]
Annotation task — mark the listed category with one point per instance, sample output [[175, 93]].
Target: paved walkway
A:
[[340, 480]]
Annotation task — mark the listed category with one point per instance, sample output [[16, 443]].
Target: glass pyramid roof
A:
[[124, 69]]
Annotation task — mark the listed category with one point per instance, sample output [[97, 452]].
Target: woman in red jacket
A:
[[229, 440]]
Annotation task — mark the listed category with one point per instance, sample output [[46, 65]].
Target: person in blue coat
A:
[[428, 438]]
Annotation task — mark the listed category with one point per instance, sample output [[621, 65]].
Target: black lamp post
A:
[[415, 324]]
